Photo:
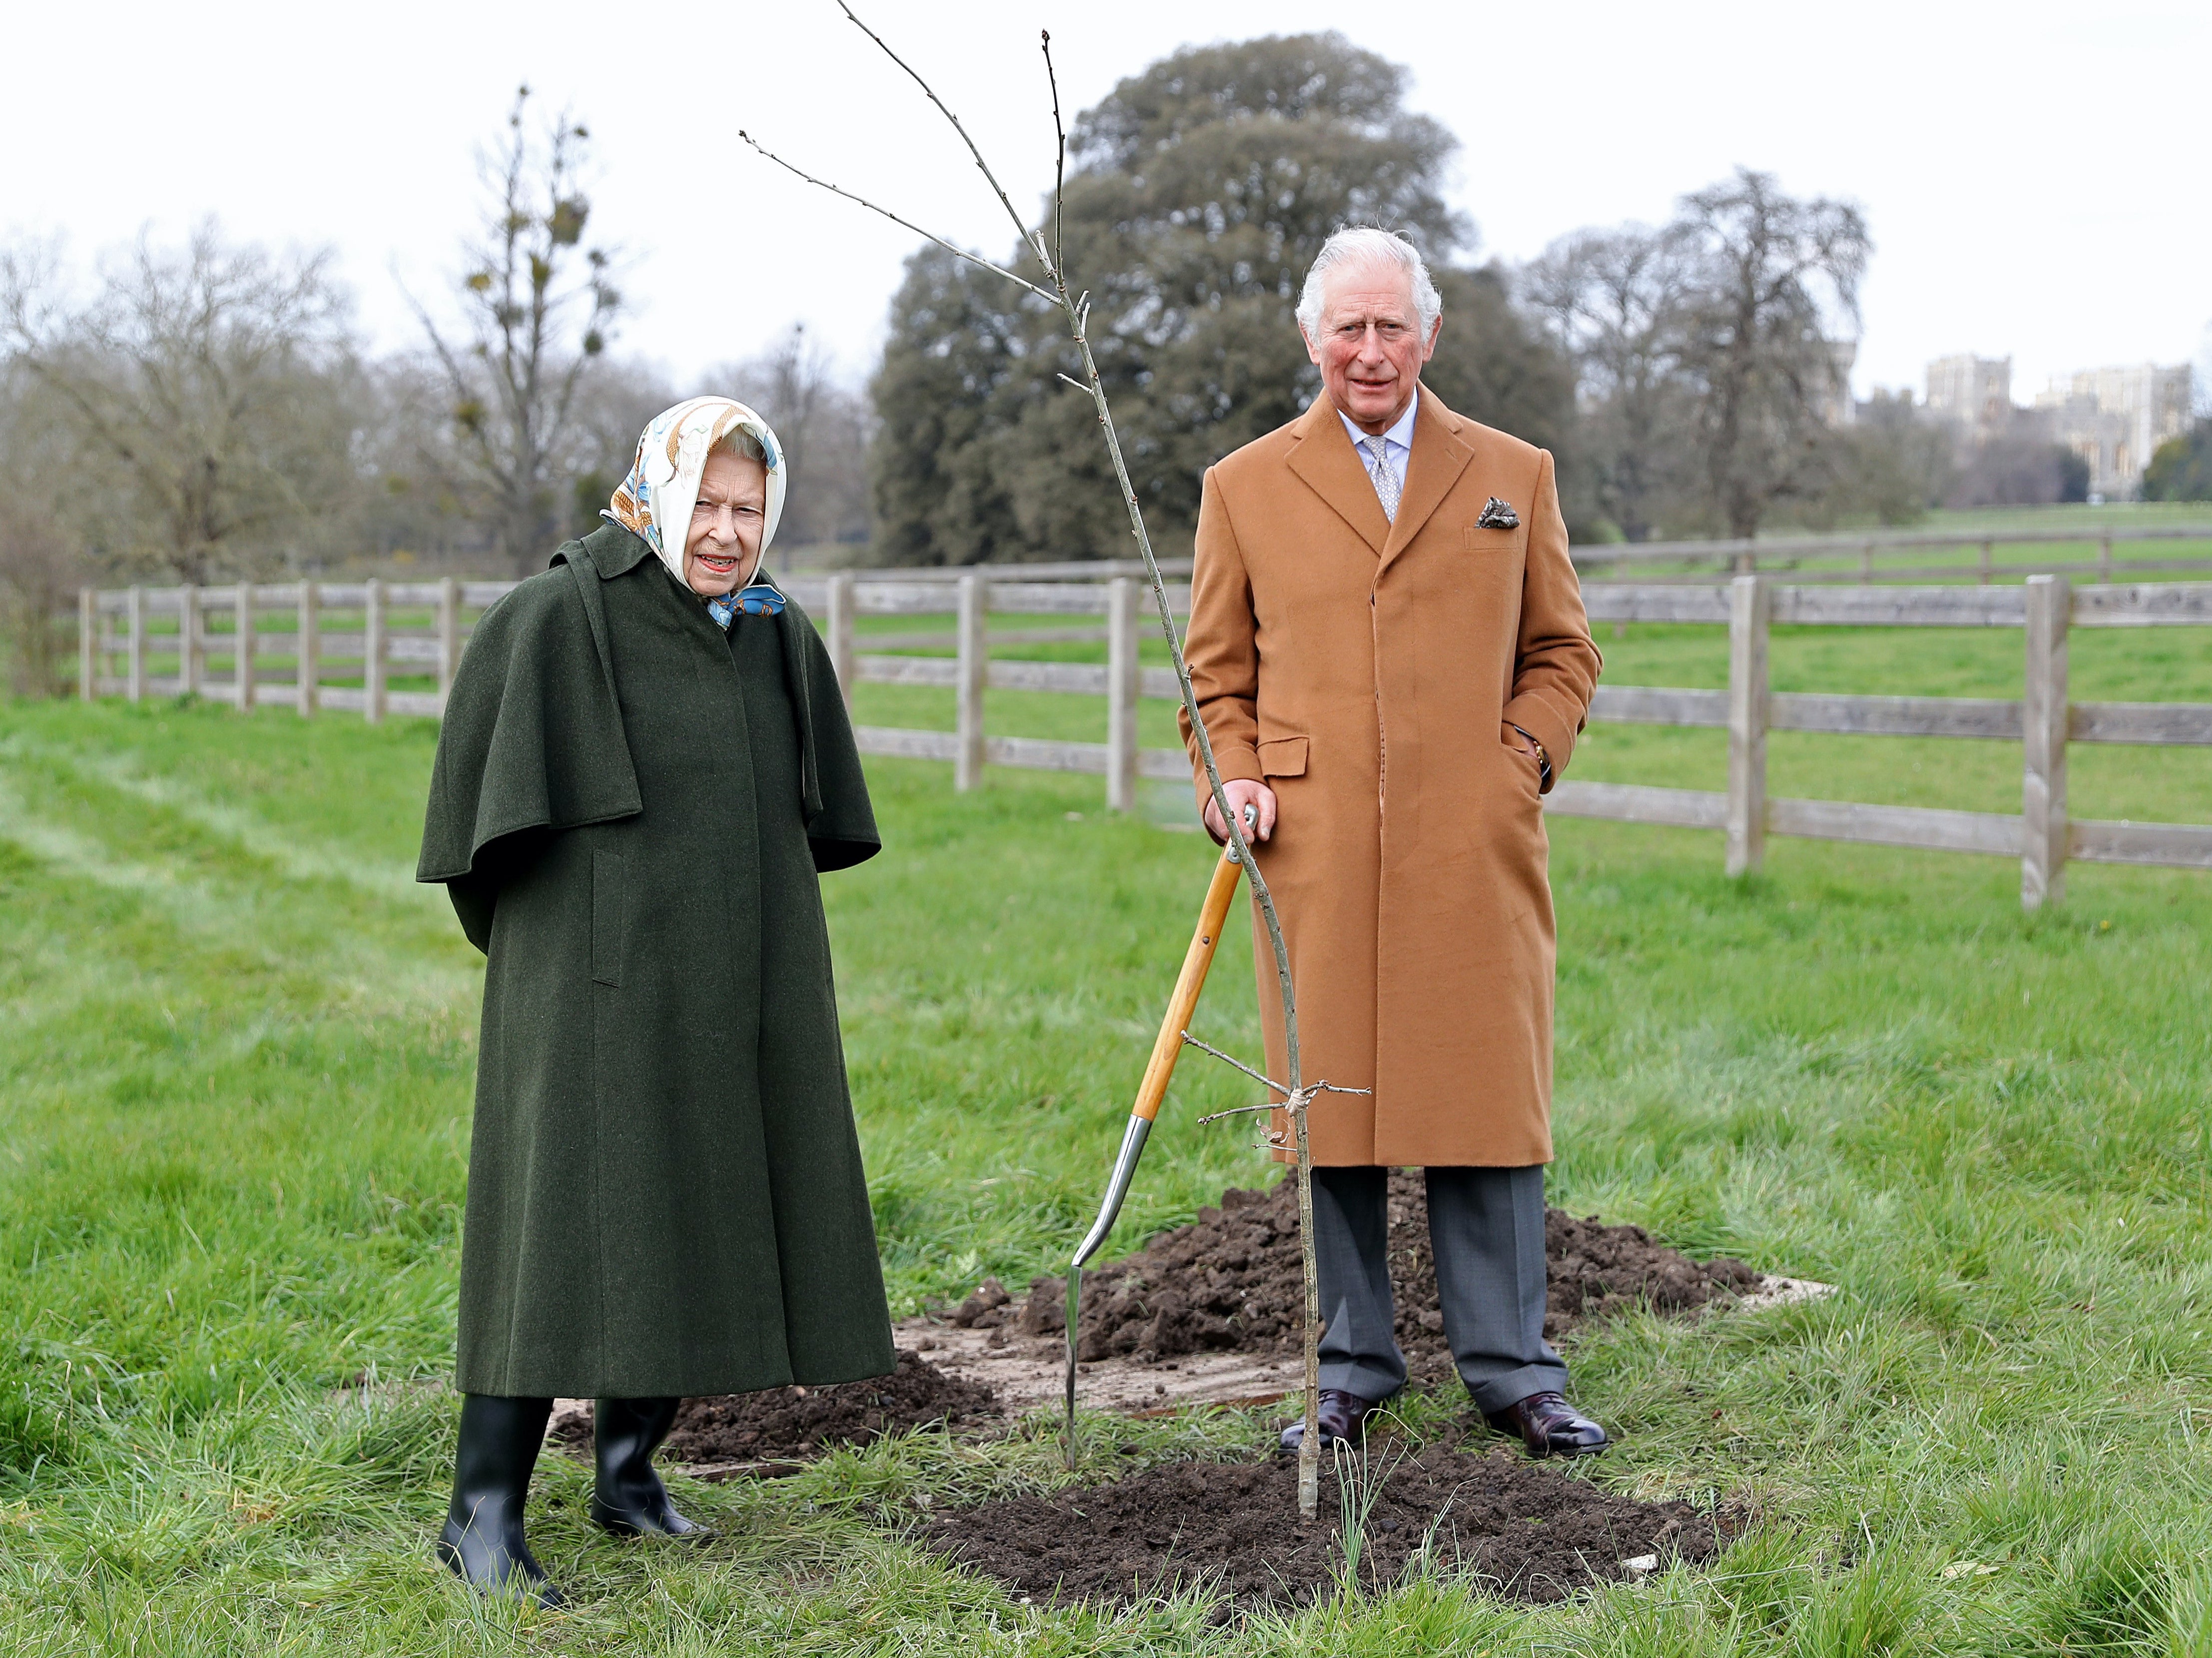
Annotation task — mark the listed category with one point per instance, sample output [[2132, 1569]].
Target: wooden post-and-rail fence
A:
[[422, 627], [2043, 722], [239, 662]]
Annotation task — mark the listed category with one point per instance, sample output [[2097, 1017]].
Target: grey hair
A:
[[743, 443], [1366, 244]]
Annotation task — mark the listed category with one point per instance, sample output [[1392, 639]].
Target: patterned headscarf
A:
[[663, 485]]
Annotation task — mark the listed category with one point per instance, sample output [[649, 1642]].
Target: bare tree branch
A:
[[1298, 1101], [1021, 229], [1058, 160], [1226, 1060], [905, 224]]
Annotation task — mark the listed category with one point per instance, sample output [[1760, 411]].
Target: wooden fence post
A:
[[1749, 607], [88, 641], [307, 649], [1122, 681], [975, 665], [1989, 557], [2043, 715], [137, 669], [2105, 559], [242, 644], [372, 653], [840, 619], [190, 656], [449, 638], [1866, 565]]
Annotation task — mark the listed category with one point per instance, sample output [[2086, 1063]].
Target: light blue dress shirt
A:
[[1397, 443]]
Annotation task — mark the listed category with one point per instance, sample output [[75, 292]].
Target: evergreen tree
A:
[[2181, 467]]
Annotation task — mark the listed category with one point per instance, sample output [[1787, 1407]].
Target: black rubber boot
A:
[[483, 1541], [627, 1497]]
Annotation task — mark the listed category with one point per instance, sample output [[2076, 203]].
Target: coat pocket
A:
[[610, 918], [1283, 757], [1492, 541]]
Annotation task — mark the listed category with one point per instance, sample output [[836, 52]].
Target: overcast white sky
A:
[[2033, 173]]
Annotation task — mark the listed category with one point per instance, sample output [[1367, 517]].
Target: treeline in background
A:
[[195, 412]]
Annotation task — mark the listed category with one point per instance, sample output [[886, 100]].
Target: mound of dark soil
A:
[[791, 1424], [1231, 1281], [1528, 1531]]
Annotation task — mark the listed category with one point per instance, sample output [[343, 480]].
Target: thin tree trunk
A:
[[1076, 311]]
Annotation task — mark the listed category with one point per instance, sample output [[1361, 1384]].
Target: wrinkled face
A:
[[723, 548], [1369, 342]]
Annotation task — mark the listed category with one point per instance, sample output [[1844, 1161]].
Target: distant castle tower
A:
[[1974, 393]]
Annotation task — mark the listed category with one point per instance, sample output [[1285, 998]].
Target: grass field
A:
[[235, 1062]]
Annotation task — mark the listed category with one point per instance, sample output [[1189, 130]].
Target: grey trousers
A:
[[1486, 1226]]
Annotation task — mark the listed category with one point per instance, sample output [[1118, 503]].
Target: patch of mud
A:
[[1230, 1281], [736, 1431], [1526, 1530]]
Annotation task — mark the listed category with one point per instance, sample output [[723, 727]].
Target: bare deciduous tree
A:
[[40, 575], [208, 382], [1776, 285], [1711, 353], [1895, 463], [1615, 301], [40, 567], [824, 424], [537, 308]]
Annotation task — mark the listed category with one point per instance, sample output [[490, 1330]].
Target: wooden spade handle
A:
[[1192, 980]]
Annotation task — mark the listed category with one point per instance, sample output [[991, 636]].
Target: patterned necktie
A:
[[1386, 481]]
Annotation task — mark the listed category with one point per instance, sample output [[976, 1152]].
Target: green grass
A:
[[235, 1063]]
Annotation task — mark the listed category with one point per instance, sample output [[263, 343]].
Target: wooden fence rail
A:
[[1865, 552], [236, 664]]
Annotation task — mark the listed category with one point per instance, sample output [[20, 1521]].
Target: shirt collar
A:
[[1399, 436]]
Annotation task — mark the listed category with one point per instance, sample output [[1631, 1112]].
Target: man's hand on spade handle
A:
[[1250, 799]]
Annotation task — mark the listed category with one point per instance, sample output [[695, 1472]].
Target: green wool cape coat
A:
[[629, 809]]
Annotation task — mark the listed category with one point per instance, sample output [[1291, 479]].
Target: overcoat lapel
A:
[[1325, 462], [1439, 457]]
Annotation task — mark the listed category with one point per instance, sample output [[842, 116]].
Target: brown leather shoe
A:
[[1342, 1415], [1549, 1426]]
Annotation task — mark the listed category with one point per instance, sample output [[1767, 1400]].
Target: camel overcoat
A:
[[1360, 668]]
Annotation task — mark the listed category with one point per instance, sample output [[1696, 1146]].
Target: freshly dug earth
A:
[[1231, 1281], [1526, 1530], [790, 1424]]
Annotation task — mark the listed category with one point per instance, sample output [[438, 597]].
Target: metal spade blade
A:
[[1166, 1050]]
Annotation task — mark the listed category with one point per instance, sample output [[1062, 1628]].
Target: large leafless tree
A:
[[206, 385], [1712, 354], [1773, 297]]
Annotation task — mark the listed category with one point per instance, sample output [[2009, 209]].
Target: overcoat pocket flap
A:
[[1283, 757], [1480, 540], [609, 912]]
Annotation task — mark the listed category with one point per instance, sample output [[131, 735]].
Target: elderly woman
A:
[[646, 761]]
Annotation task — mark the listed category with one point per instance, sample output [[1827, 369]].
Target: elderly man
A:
[[1391, 657]]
